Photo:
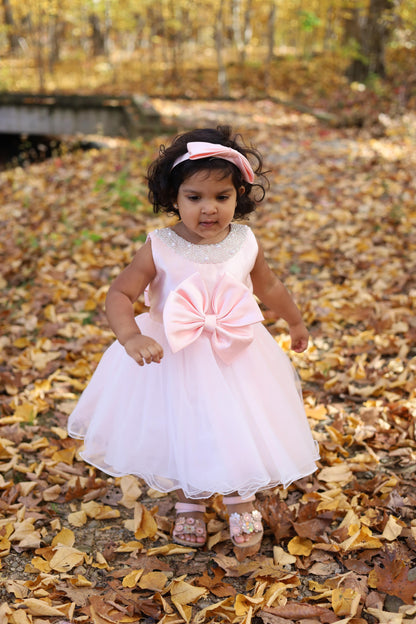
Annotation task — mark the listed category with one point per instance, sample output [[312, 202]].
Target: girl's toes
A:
[[240, 539]]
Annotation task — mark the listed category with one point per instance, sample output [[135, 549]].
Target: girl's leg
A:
[[189, 524]]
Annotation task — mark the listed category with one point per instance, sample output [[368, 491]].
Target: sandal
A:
[[245, 523], [187, 525]]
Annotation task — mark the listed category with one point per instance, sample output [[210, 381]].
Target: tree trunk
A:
[[237, 28], [247, 30], [370, 34], [379, 30], [56, 32], [219, 41], [270, 44], [97, 35], [12, 38]]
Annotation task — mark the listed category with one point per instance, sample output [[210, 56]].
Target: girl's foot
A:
[[246, 529], [190, 528]]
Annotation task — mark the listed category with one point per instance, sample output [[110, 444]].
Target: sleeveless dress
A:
[[221, 412]]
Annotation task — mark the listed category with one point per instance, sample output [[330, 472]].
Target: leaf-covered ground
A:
[[339, 227]]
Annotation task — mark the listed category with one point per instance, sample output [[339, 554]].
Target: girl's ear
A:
[[241, 190]]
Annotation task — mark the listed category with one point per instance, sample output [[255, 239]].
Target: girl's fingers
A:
[[149, 356]]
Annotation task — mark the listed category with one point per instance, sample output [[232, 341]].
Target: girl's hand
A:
[[299, 336], [143, 349]]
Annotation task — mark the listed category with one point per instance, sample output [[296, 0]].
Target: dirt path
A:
[[339, 227]]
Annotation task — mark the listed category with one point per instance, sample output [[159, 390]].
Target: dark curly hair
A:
[[164, 182]]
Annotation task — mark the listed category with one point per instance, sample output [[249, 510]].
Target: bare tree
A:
[[219, 41], [12, 38], [270, 40], [370, 33]]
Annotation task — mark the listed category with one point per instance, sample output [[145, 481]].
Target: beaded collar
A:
[[206, 254]]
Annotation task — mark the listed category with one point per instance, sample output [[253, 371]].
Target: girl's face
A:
[[206, 203]]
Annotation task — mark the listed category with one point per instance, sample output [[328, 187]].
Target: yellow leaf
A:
[[392, 529], [65, 537], [66, 558], [184, 593], [169, 549], [310, 256], [26, 487], [5, 546], [316, 413], [80, 581], [41, 564], [155, 581], [26, 412], [151, 493], [98, 511], [131, 491], [223, 609], [385, 617], [281, 557], [129, 546], [300, 546], [363, 538], [184, 610], [65, 455], [275, 591], [165, 605], [26, 534], [345, 601], [101, 562], [145, 524], [243, 604], [60, 432], [77, 518], [41, 608], [131, 579], [21, 343], [51, 493], [20, 617], [340, 473]]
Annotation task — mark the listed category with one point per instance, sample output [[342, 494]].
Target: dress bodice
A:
[[177, 259]]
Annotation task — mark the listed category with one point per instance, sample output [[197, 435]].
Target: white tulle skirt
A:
[[195, 423]]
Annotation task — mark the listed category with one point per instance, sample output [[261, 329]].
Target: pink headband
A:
[[201, 149]]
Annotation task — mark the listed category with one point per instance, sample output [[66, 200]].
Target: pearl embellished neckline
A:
[[212, 253]]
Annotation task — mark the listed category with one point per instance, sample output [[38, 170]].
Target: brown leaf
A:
[[277, 516], [392, 577], [298, 611], [214, 583]]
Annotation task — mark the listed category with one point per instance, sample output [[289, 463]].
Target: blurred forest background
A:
[[332, 54]]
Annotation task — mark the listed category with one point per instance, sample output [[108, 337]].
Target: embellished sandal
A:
[[187, 525], [245, 523]]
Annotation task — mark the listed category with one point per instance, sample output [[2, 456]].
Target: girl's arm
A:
[[121, 296], [271, 291]]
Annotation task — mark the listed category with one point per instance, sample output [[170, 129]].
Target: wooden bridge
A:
[[42, 114]]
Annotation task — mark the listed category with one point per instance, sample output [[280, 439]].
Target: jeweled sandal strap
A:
[[189, 526], [235, 500], [188, 507], [246, 522]]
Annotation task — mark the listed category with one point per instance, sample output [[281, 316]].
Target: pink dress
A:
[[222, 412]]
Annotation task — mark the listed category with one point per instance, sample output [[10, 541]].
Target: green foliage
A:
[[309, 21]]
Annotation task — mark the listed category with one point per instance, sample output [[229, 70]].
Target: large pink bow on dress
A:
[[227, 316]]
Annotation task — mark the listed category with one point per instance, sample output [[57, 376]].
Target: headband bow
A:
[[201, 149]]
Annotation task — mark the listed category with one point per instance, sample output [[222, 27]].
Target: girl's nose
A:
[[209, 207]]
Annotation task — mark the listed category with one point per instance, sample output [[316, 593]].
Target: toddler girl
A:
[[195, 395]]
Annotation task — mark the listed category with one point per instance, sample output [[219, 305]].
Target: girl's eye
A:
[[223, 197], [193, 197]]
